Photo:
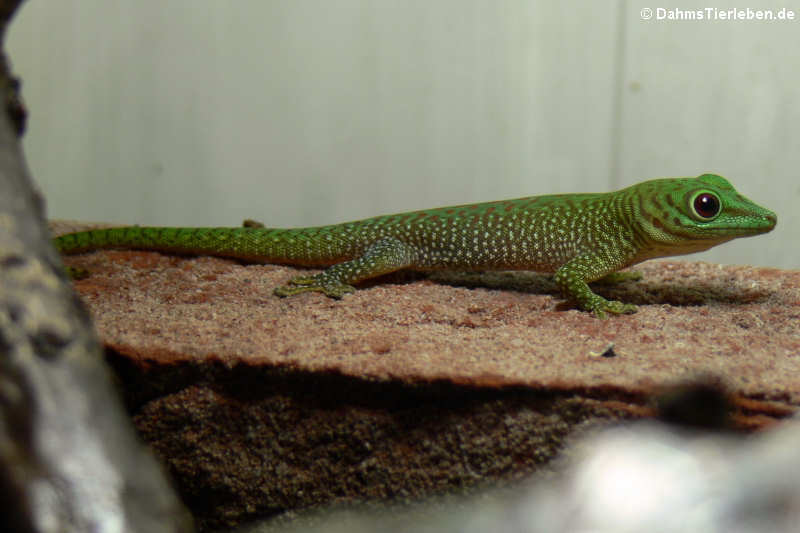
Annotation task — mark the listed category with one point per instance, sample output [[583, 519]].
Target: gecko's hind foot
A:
[[76, 273], [314, 284]]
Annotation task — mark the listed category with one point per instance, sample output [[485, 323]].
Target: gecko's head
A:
[[693, 214]]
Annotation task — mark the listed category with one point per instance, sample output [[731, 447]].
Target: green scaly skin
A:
[[579, 237]]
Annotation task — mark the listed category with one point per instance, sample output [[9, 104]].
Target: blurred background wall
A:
[[301, 112]]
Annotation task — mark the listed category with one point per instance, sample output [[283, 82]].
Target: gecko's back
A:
[[534, 233]]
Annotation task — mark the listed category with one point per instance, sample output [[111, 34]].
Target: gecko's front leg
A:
[[573, 279]]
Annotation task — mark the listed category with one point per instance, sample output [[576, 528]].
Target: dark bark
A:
[[69, 458]]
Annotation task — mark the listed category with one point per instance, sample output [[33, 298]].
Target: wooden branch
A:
[[69, 458]]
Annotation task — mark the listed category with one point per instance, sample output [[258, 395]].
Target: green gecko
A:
[[578, 237]]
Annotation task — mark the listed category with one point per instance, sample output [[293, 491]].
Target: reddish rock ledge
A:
[[414, 386]]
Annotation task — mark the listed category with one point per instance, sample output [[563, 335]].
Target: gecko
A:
[[579, 238]]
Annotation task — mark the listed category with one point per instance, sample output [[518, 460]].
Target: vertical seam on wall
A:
[[617, 92]]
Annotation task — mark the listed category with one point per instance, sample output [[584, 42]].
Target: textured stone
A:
[[412, 387]]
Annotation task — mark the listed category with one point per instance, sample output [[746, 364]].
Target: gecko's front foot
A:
[[600, 306], [316, 283]]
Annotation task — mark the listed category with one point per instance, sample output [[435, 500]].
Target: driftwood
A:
[[69, 458]]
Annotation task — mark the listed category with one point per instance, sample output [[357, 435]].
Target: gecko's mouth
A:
[[750, 225]]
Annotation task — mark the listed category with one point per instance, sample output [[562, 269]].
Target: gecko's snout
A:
[[769, 221]]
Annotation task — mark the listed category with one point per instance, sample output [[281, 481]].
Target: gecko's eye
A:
[[705, 205]]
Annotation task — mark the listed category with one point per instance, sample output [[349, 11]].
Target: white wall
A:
[[299, 112]]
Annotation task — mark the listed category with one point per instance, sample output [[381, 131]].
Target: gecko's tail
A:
[[304, 247]]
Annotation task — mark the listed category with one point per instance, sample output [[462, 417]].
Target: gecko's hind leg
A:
[[384, 256]]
